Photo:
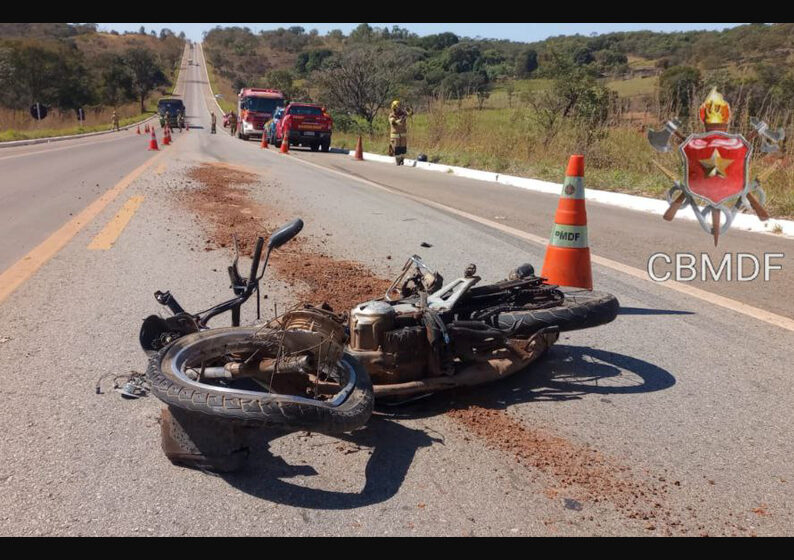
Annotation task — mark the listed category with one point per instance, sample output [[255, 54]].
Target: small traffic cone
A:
[[285, 146], [153, 143], [138, 132], [167, 136], [567, 260], [359, 150], [264, 141]]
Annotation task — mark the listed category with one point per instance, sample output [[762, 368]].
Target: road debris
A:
[[130, 386], [226, 210]]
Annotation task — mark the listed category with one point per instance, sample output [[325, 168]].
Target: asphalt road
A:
[[687, 405]]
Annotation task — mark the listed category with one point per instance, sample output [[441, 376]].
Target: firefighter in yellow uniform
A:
[[398, 137], [233, 123], [115, 121]]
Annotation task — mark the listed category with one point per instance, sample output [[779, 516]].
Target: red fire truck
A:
[[255, 107]]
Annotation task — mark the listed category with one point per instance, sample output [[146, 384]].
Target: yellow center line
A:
[[105, 239], [19, 272]]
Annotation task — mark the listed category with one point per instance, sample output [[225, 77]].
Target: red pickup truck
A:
[[305, 124]]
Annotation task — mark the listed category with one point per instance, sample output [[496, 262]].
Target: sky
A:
[[525, 32]]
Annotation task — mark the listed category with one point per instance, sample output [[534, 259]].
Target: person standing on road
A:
[[180, 121], [233, 123], [115, 121], [165, 119], [398, 137], [214, 121]]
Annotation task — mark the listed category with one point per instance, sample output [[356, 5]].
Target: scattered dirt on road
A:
[[222, 205], [579, 471], [320, 278], [225, 207]]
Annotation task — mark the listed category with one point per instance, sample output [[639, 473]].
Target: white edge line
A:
[[33, 141], [715, 299], [745, 222], [703, 295]]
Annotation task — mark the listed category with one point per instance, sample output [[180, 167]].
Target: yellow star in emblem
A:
[[716, 165]]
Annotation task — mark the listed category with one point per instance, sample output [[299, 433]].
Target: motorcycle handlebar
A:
[[260, 243]]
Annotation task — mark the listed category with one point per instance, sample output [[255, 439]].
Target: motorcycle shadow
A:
[[392, 447], [564, 373]]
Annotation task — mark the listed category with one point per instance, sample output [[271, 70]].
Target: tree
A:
[[438, 42], [146, 72], [462, 57], [309, 61], [362, 34], [526, 63], [677, 88], [583, 56], [547, 108], [116, 82], [282, 81], [34, 75], [362, 80]]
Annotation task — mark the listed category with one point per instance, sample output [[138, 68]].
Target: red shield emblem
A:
[[716, 166]]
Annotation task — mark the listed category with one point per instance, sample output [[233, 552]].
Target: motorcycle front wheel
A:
[[288, 399]]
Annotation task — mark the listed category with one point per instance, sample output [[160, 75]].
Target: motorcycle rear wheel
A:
[[581, 309], [168, 370]]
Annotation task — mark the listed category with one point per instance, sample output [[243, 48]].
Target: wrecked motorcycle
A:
[[425, 336], [291, 372], [313, 369]]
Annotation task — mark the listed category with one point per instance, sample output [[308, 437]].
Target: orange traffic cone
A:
[[568, 254], [167, 136], [138, 132], [285, 146], [359, 150], [153, 143], [264, 141]]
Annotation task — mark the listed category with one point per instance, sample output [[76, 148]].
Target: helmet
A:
[[395, 104], [526, 270]]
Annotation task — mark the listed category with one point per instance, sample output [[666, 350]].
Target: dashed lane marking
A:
[[19, 272], [105, 239]]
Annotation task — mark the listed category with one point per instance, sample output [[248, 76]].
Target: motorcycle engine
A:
[[368, 324], [393, 348]]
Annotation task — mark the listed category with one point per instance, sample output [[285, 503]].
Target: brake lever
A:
[[166, 299], [236, 256]]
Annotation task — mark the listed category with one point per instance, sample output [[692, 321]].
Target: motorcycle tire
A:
[[256, 408], [581, 309]]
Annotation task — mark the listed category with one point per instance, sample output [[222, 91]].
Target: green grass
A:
[[11, 134], [634, 86], [215, 85], [507, 141]]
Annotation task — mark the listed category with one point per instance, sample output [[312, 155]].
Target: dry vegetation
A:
[[88, 54], [585, 95]]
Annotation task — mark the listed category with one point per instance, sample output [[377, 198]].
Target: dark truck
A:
[[173, 107]]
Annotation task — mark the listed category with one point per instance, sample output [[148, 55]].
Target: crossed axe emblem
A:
[[679, 196]]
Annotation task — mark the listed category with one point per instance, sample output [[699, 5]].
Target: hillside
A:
[[66, 66], [523, 107]]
